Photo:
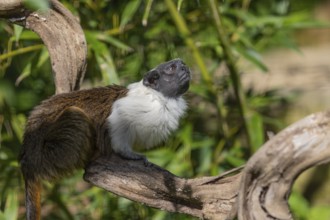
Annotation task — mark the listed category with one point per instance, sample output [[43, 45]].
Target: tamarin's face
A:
[[170, 78]]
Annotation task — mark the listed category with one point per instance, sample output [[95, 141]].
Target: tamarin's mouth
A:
[[184, 74], [184, 79]]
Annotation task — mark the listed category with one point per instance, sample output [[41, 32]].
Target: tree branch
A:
[[265, 181], [61, 33], [205, 197], [11, 9], [268, 176]]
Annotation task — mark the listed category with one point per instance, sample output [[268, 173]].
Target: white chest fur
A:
[[144, 117]]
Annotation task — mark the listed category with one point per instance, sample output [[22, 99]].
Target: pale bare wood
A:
[[10, 8], [268, 176], [205, 197], [265, 184], [61, 33]]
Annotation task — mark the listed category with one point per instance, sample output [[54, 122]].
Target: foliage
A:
[[224, 126]]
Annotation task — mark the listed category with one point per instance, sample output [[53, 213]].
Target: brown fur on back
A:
[[96, 103], [65, 131]]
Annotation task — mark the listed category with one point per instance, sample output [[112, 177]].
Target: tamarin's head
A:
[[170, 78]]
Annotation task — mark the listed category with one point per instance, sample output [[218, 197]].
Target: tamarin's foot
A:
[[130, 155]]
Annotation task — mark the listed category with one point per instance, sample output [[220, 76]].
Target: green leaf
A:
[[104, 59], [179, 4], [17, 31], [146, 13], [25, 73], [235, 161], [299, 206], [129, 12], [18, 123], [21, 51], [256, 130], [310, 24], [302, 20], [11, 207], [108, 70], [29, 35], [319, 213], [252, 56], [36, 4], [113, 41], [29, 66]]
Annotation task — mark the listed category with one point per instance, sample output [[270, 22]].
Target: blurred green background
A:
[[227, 120]]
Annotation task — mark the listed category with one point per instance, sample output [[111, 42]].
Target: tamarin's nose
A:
[[183, 70], [180, 65]]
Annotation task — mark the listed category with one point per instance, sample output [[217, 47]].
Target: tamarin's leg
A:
[[53, 150]]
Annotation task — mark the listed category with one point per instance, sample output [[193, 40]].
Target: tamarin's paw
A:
[[130, 155]]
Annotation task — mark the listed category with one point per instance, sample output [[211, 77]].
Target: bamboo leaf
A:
[[252, 56], [256, 131], [146, 13], [104, 59], [113, 41], [21, 51], [129, 11], [17, 31], [36, 4], [11, 211]]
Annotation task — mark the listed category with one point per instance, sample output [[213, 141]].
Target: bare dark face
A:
[[170, 78]]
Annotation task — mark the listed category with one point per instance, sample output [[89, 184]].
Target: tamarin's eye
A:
[[152, 79]]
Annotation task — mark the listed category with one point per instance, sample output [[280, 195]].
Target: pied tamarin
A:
[[67, 130]]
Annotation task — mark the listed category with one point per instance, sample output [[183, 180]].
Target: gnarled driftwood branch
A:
[[205, 197], [260, 191], [263, 187], [61, 33], [270, 173]]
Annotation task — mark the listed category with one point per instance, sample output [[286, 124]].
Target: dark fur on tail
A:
[[32, 198], [62, 134], [53, 149]]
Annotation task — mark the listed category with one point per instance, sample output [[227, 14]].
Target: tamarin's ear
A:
[[151, 78]]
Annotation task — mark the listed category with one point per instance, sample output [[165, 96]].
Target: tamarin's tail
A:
[[32, 199], [53, 146]]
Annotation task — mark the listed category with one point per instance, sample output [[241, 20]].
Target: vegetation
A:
[[224, 126]]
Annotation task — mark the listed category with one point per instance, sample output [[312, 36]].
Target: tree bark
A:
[[260, 191], [62, 35], [269, 174], [205, 197], [11, 9]]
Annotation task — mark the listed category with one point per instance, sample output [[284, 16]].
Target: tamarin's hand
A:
[[66, 131]]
